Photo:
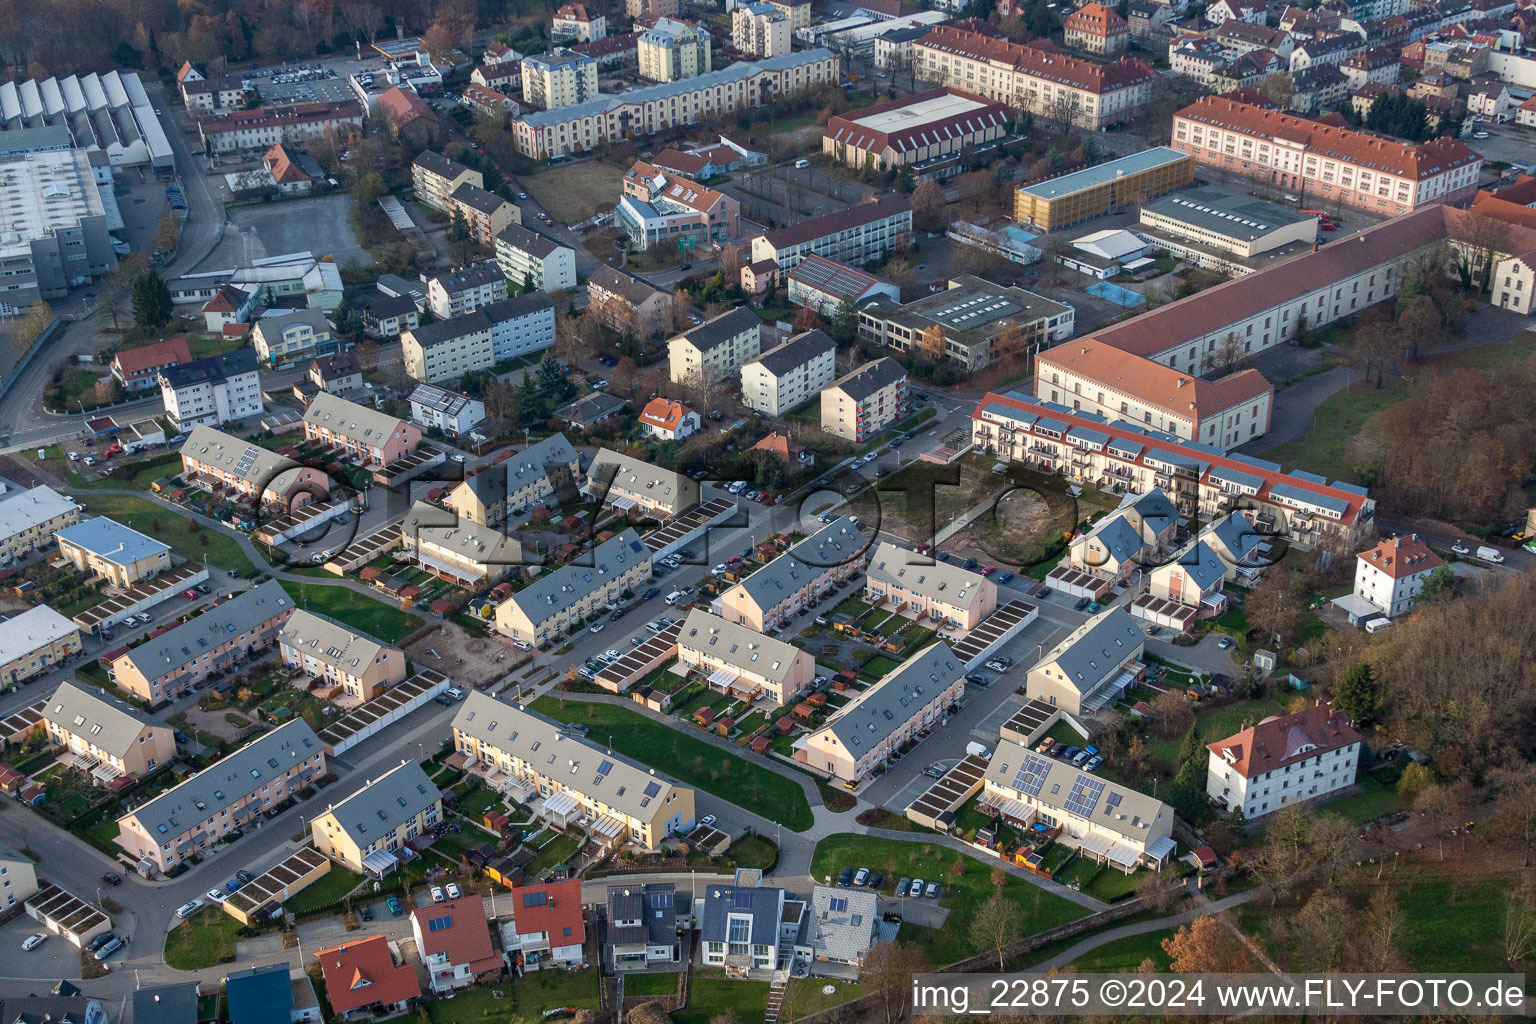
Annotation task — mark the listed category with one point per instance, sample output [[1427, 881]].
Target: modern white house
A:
[[1391, 574]]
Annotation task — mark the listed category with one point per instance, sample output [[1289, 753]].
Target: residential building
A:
[[166, 1004], [367, 436], [662, 208], [506, 77], [286, 170], [893, 47], [743, 929], [454, 941], [221, 637], [434, 178], [1392, 573], [1145, 18], [365, 977], [626, 483], [275, 994], [827, 559], [65, 1004], [488, 101], [861, 735], [465, 289], [463, 553], [300, 334], [213, 390], [709, 354], [591, 412], [1137, 531], [108, 736], [578, 23], [327, 650], [644, 922], [627, 303], [202, 95], [1324, 162], [366, 830], [250, 471], [1106, 822], [30, 519], [453, 413], [531, 476], [602, 119], [971, 324], [229, 306], [54, 219], [1377, 64], [336, 374], [1040, 80], [1106, 188], [530, 260], [1088, 375], [1193, 579], [1197, 58], [292, 123], [824, 285], [1331, 50], [18, 878], [1283, 760], [666, 420], [1224, 12], [1092, 666], [791, 374], [1213, 220], [797, 11], [861, 404], [620, 51], [760, 30], [559, 78], [548, 926], [859, 234], [842, 926], [671, 50], [138, 369], [1097, 29], [557, 602], [231, 794], [514, 749], [927, 131], [388, 316], [741, 660], [1248, 71], [485, 214], [112, 552], [933, 593], [1318, 88], [496, 333], [1240, 38]]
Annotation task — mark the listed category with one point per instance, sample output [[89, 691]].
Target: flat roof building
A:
[[35, 641], [53, 226], [1104, 188], [1205, 223], [113, 552], [977, 323]]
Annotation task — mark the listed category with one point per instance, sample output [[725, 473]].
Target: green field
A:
[[1373, 801], [1126, 954], [331, 887], [754, 852], [710, 997], [204, 941], [208, 544], [527, 996], [653, 984], [962, 892], [690, 759], [377, 619]]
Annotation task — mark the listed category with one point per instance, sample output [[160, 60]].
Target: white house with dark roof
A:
[[453, 413], [1092, 666], [743, 928], [790, 374]]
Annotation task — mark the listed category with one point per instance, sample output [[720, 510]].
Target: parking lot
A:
[[321, 225]]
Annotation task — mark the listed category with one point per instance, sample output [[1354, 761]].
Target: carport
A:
[[381, 862], [68, 915]]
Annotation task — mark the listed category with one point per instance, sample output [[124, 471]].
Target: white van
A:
[[1489, 554], [802, 164], [978, 749], [674, 597], [1377, 624]]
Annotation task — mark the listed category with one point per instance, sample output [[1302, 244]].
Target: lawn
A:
[[379, 620], [477, 803], [571, 193], [207, 544], [657, 984], [204, 941], [880, 665], [1126, 954], [804, 996], [708, 998], [533, 993], [332, 886], [1454, 924], [1373, 801], [964, 890], [754, 852], [212, 345], [690, 759], [557, 851], [148, 471]]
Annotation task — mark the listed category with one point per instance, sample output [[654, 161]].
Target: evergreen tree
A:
[[458, 227], [845, 324], [1357, 695], [151, 300], [532, 407], [552, 381]]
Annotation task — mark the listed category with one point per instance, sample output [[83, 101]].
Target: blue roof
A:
[[260, 995], [1008, 412], [1340, 485], [1091, 177], [1050, 424], [1129, 449], [1091, 436], [1302, 474], [1249, 460], [1238, 477], [1203, 565], [1297, 494], [111, 540], [1236, 535]]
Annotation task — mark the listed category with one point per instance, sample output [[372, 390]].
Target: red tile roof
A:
[[1401, 557], [664, 413], [1096, 19], [1181, 395], [691, 164], [608, 45], [1276, 741], [171, 351], [359, 974], [284, 169], [464, 939], [849, 130], [1500, 209], [1041, 63], [780, 445], [1523, 191], [575, 12], [554, 908], [401, 107]]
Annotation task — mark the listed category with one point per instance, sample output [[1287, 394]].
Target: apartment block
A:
[[559, 78], [627, 303], [250, 471], [671, 50], [626, 483], [235, 793], [1390, 575], [434, 178], [529, 260], [761, 30], [1071, 198], [738, 659], [1283, 760], [34, 642], [112, 552], [301, 334], [970, 324], [861, 233], [217, 640], [496, 333], [1096, 29], [530, 476], [559, 601], [828, 558], [711, 352], [578, 23], [789, 375], [326, 650], [660, 207], [934, 593], [465, 289], [456, 550], [366, 830], [213, 390], [112, 737], [367, 436], [290, 123], [861, 404], [30, 519]]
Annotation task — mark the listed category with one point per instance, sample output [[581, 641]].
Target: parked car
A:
[[1460, 548], [969, 563], [393, 904], [216, 895], [437, 894], [861, 877], [988, 570], [1081, 758], [112, 878], [522, 645], [902, 885], [933, 890], [1070, 753], [1094, 607], [917, 888], [109, 948], [1224, 643], [997, 666], [100, 940], [845, 876], [1153, 630], [190, 908], [1093, 763], [34, 940], [597, 627], [245, 876], [189, 594], [1080, 604], [1004, 577], [453, 890], [366, 913], [876, 881]]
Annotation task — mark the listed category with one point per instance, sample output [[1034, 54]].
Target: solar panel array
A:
[[1084, 796], [1031, 775]]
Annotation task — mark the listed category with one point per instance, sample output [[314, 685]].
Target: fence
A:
[[26, 360]]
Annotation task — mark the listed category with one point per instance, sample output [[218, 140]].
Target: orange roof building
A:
[[1305, 756], [285, 170], [402, 108], [138, 369], [455, 943], [548, 926], [781, 446], [1390, 575], [364, 975], [668, 420], [1096, 29]]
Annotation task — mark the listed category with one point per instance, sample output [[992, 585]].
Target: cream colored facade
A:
[[327, 650], [551, 605], [34, 642], [789, 374], [447, 349], [712, 351], [30, 520], [761, 30], [742, 659], [863, 403], [559, 79], [460, 551], [18, 878], [674, 50], [92, 724], [827, 558], [917, 587], [113, 552], [434, 177], [385, 814]]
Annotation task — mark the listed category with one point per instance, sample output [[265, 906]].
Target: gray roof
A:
[[842, 922], [475, 275], [550, 594], [1118, 537], [920, 574], [497, 482], [190, 640], [1092, 177], [611, 470], [682, 87], [1096, 648], [837, 543], [439, 331], [93, 714], [737, 645], [439, 164], [212, 368], [713, 333], [331, 643], [656, 905], [280, 322], [1228, 213], [759, 904], [386, 307], [430, 525], [515, 306], [533, 243], [880, 710], [478, 198], [797, 351], [1155, 509], [166, 1004], [870, 378], [1109, 805], [1235, 534], [351, 420], [1202, 565], [590, 408], [385, 803], [216, 787], [581, 765], [632, 288], [250, 462], [33, 507], [36, 627]]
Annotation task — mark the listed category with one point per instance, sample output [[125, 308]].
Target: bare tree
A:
[[1277, 89], [1061, 109], [1486, 240], [1228, 351], [999, 923], [1520, 923], [888, 973]]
